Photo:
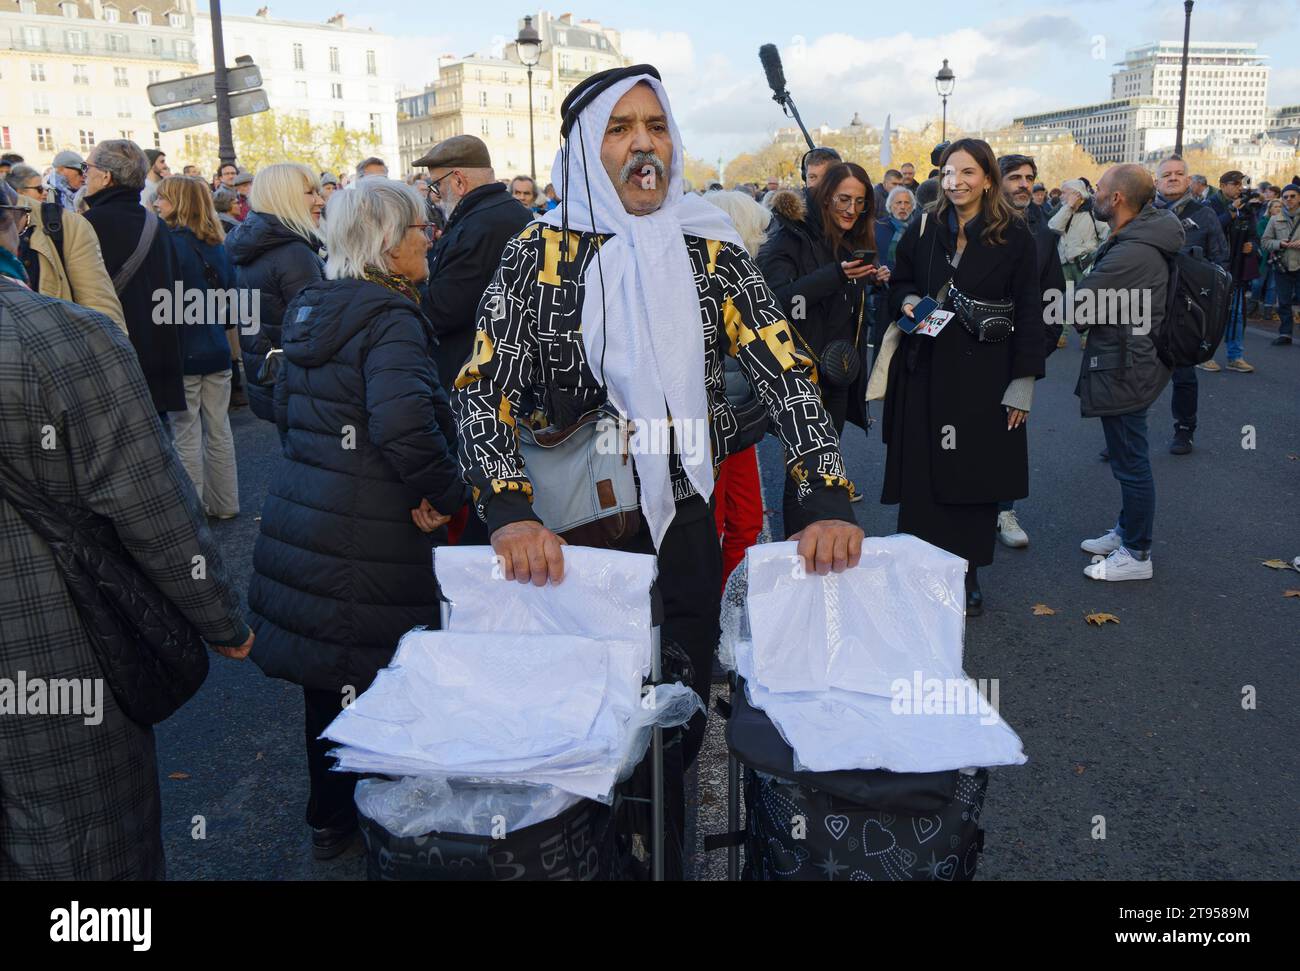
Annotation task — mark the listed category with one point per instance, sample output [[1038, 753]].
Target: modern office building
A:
[[1227, 90]]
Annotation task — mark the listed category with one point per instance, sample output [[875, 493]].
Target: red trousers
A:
[[738, 507]]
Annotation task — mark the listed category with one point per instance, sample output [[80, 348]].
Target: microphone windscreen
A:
[[771, 59]]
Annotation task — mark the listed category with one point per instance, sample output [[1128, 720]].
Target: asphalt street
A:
[[1140, 722]]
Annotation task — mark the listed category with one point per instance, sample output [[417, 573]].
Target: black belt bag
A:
[[988, 321]]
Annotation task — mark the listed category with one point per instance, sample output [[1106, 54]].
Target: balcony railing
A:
[[97, 48]]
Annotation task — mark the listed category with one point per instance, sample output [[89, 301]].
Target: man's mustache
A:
[[637, 161]]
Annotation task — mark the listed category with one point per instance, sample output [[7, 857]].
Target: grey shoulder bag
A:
[[584, 484]]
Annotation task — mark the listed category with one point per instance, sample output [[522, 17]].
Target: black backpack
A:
[[1196, 310]]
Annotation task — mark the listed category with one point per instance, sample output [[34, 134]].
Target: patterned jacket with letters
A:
[[529, 364]]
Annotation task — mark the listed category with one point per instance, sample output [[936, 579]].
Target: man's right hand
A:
[[529, 551]]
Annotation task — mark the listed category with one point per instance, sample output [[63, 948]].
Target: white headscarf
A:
[[654, 361]]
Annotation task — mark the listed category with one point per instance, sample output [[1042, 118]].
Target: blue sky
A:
[[840, 59]]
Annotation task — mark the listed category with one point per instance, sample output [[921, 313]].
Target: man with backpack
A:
[[1122, 372], [1203, 237], [60, 251]]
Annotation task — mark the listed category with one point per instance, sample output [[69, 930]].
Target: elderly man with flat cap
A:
[[629, 295], [481, 217]]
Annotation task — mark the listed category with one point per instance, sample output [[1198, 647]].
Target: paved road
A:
[[1140, 722]]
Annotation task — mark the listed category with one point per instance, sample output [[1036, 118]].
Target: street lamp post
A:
[[944, 82], [528, 45], [1182, 85], [225, 140]]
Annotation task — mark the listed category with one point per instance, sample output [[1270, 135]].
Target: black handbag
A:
[[150, 655], [841, 361], [988, 321]]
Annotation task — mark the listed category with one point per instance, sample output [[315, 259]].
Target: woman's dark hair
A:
[[996, 211], [863, 234]]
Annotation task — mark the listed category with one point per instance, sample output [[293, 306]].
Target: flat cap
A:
[[69, 159], [457, 152], [243, 178]]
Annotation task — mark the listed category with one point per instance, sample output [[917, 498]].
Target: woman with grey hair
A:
[[342, 568]]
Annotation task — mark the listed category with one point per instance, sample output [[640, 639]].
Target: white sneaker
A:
[[1120, 565], [1105, 545], [1010, 531]]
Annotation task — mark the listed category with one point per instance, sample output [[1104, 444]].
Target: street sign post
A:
[[205, 112], [201, 87]]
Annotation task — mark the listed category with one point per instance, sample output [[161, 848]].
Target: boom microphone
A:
[[771, 59]]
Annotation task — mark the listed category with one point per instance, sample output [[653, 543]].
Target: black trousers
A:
[[330, 804], [1183, 403], [690, 576]]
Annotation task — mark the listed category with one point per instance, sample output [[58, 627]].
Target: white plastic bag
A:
[[901, 608]]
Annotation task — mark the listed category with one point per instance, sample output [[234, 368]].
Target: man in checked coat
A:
[[79, 795]]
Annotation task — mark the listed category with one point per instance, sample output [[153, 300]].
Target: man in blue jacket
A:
[[1204, 233]]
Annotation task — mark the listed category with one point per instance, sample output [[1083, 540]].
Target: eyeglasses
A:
[[847, 203], [426, 229], [22, 218], [434, 188], [36, 187]]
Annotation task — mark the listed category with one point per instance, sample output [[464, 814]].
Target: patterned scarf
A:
[[393, 281]]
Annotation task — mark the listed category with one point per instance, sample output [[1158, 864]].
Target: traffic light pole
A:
[[225, 140]]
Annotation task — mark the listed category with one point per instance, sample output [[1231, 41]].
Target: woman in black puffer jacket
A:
[[275, 254], [343, 566]]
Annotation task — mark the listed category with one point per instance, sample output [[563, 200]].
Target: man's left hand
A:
[[830, 544]]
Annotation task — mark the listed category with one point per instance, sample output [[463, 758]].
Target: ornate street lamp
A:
[[944, 82], [528, 45]]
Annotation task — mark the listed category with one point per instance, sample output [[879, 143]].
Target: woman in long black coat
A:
[[809, 264], [343, 566], [955, 407]]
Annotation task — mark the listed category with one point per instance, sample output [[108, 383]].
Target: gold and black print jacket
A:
[[529, 364]]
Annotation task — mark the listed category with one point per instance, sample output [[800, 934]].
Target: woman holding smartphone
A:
[[820, 263], [957, 398]]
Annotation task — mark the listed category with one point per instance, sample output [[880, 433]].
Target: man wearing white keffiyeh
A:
[[632, 292]]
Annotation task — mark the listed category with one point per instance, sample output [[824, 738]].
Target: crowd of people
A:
[[400, 334]]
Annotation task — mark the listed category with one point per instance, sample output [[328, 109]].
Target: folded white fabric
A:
[[862, 670]]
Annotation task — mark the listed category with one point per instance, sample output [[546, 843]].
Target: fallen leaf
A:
[[1042, 610], [1277, 564], [1100, 619], [1294, 458], [178, 775], [1292, 593], [1078, 770], [259, 757]]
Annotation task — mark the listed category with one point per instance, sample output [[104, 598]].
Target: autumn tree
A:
[[269, 137]]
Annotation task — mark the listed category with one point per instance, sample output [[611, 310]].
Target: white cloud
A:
[[724, 107]]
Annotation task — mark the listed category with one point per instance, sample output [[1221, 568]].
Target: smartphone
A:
[[865, 255], [922, 310]]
